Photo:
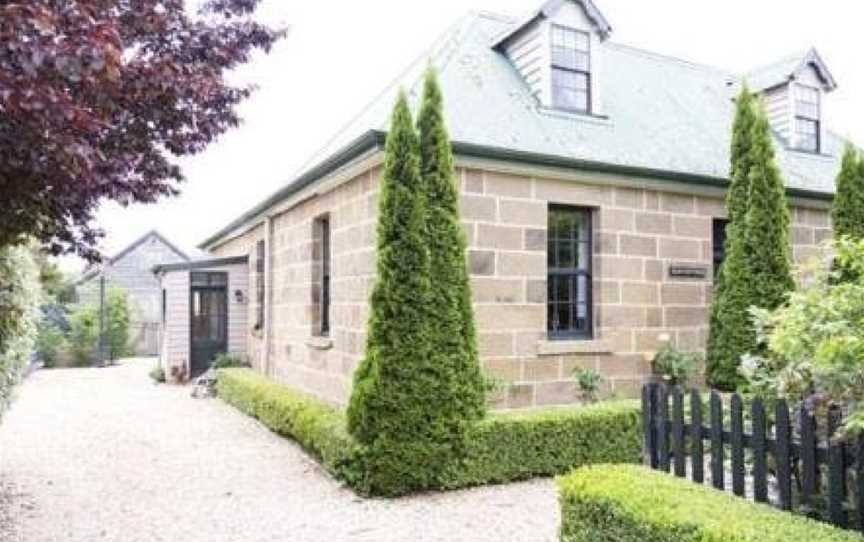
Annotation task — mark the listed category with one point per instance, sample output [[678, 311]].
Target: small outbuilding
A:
[[204, 313]]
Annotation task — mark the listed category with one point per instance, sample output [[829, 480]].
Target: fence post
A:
[[663, 427], [760, 465], [859, 483], [809, 469], [697, 452], [678, 432], [646, 423], [717, 441], [783, 455], [737, 441], [836, 470]]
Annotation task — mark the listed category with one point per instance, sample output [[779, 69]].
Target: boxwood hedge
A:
[[629, 503], [319, 428], [502, 448]]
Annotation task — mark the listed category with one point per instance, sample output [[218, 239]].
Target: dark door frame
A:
[[208, 288]]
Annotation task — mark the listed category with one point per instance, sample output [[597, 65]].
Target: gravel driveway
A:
[[103, 455]]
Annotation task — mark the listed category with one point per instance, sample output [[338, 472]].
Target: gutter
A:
[[199, 264], [375, 140]]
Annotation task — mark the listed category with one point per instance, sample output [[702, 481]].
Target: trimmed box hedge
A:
[[515, 446], [502, 448], [629, 503], [319, 428]]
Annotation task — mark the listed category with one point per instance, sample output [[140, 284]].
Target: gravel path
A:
[[95, 455]]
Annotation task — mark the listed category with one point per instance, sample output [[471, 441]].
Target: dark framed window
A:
[[571, 69], [260, 292], [808, 110], [569, 264], [322, 228], [718, 243], [164, 306]]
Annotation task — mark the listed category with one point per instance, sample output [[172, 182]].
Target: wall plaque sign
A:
[[688, 271]]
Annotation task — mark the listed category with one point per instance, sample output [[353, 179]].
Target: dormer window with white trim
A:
[[571, 69], [808, 118]]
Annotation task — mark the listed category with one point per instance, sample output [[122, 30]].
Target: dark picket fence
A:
[[792, 464]]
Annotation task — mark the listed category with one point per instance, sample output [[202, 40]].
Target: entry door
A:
[[209, 319]]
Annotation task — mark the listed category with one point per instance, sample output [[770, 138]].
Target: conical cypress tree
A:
[[459, 397], [766, 235], [730, 336], [738, 196], [389, 410], [848, 211]]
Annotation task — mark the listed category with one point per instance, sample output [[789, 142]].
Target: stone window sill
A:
[[319, 343], [559, 348]]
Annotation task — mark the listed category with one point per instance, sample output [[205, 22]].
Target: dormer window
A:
[[571, 69], [807, 118]]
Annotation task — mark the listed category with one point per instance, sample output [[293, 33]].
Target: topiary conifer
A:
[[460, 389], [766, 232], [848, 211], [395, 384], [729, 335]]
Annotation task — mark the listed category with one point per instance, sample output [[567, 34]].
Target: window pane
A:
[[569, 280]]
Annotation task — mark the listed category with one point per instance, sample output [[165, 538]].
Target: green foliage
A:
[[500, 448], [517, 446], [738, 196], [319, 428], [815, 343], [157, 374], [675, 366], [457, 398], [50, 342], [628, 503], [84, 334], [415, 390], [84, 329], [589, 382], [757, 270], [117, 317], [227, 361], [848, 210], [19, 301]]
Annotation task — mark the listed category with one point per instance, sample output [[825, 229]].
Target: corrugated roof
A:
[[659, 113]]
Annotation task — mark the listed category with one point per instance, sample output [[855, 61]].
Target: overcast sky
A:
[[340, 54]]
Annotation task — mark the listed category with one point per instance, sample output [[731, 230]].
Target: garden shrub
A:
[[117, 316], [84, 334], [847, 213], [19, 303], [516, 446], [227, 361], [396, 404], [318, 428], [502, 448], [84, 329], [50, 341], [629, 503], [814, 344], [758, 266]]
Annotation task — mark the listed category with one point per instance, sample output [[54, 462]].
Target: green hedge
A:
[[502, 448], [515, 446], [319, 428], [628, 503]]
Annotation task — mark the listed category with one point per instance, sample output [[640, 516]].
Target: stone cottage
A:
[[131, 270], [592, 179]]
